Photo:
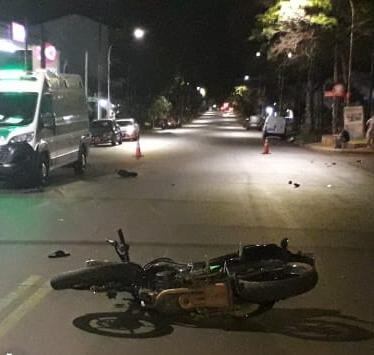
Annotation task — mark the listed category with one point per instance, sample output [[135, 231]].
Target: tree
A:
[[160, 109], [247, 100], [293, 31]]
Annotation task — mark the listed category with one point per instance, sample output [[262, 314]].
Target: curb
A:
[[319, 148]]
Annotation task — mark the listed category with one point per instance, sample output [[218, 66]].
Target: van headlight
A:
[[26, 137]]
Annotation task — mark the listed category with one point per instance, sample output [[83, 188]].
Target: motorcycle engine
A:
[[165, 279]]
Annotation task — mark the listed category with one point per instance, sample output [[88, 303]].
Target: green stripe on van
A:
[[4, 131]]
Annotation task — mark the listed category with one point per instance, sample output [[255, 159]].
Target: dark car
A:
[[105, 131], [254, 122], [169, 122]]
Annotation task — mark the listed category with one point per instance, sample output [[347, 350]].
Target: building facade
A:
[[80, 42]]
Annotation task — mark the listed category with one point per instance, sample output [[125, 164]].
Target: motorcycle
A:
[[258, 275]]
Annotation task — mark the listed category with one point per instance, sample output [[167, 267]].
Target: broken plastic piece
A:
[[59, 254], [125, 173]]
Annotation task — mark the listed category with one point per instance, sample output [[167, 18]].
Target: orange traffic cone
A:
[[266, 147], [138, 152]]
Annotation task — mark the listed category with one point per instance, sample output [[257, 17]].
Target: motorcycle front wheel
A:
[[126, 274]]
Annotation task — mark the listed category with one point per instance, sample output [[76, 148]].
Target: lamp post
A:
[[138, 34], [108, 81], [353, 13]]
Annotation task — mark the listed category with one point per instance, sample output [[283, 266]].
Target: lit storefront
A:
[[15, 53]]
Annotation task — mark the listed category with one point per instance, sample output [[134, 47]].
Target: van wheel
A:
[[81, 164], [41, 173]]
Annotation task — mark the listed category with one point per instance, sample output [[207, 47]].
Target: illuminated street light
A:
[[289, 55], [198, 88], [203, 92], [246, 77], [258, 54], [139, 33]]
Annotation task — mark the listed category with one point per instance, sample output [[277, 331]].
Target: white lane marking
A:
[[31, 302]]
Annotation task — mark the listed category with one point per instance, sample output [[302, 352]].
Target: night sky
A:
[[204, 40]]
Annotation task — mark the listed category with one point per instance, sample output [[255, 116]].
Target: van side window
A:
[[46, 106]]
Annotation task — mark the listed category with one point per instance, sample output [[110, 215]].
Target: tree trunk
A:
[[308, 123], [335, 108]]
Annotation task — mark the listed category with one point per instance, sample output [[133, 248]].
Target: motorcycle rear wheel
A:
[[297, 278]]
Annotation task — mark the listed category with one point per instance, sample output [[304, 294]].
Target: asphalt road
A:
[[201, 190]]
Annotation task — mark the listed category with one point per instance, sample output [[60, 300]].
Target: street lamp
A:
[[138, 34], [246, 77], [353, 13]]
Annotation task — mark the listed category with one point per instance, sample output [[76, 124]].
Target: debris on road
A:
[[329, 186], [296, 185], [290, 182], [58, 254], [125, 173]]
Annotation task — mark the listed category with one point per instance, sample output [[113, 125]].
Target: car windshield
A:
[[124, 123], [17, 109], [102, 124]]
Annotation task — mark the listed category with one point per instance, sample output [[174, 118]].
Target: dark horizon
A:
[[206, 42]]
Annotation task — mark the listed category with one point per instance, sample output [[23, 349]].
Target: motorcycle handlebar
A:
[[121, 236]]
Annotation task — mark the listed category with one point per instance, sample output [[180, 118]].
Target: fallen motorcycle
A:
[[257, 275]]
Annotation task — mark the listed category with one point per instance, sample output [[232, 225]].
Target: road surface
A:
[[201, 191]]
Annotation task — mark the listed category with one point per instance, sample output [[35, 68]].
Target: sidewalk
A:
[[321, 148]]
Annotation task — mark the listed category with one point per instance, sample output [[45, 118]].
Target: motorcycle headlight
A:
[[26, 137]]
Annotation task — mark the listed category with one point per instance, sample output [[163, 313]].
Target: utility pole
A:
[[353, 13], [370, 105], [42, 47], [86, 73], [99, 73], [108, 98], [26, 47]]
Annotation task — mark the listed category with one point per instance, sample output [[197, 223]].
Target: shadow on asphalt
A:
[[309, 324]]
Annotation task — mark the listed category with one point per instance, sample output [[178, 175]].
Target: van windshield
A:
[[17, 108]]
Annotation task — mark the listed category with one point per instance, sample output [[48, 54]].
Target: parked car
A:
[[254, 122], [129, 128], [105, 131]]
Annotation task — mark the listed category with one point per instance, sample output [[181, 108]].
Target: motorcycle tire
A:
[[298, 278], [126, 274]]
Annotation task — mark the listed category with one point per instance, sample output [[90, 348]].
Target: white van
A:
[[275, 126], [43, 125]]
